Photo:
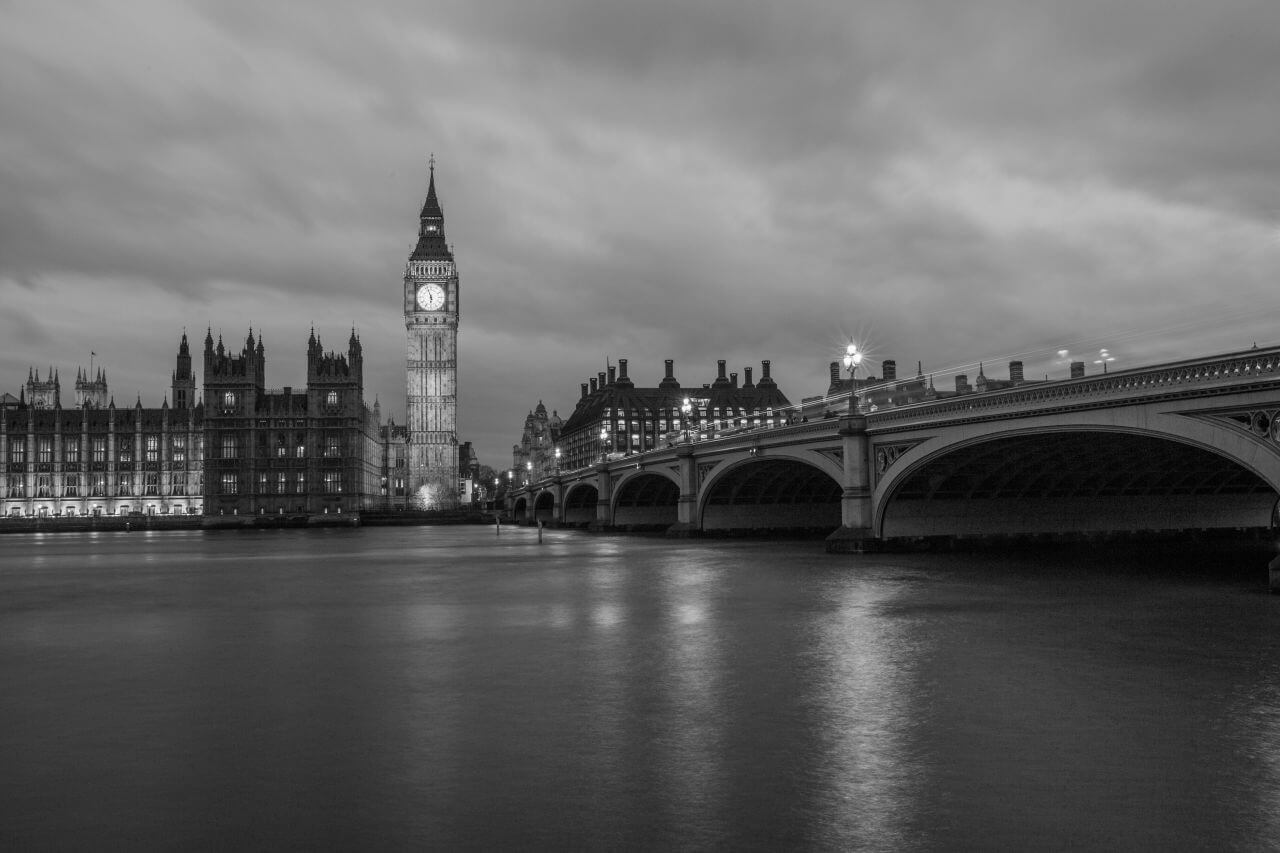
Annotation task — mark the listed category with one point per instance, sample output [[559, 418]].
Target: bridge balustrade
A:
[[1123, 385]]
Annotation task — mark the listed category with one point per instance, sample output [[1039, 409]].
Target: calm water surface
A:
[[445, 688]]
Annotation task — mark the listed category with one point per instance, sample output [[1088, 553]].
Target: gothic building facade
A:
[[240, 450], [310, 451], [92, 458]]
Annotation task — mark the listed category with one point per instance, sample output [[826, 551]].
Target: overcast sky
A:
[[946, 182]]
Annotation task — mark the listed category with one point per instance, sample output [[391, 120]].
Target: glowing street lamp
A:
[[686, 411], [528, 477], [557, 460], [852, 358], [604, 436]]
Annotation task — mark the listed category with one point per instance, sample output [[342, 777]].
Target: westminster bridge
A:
[[1191, 445]]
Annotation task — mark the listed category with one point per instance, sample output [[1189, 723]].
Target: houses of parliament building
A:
[[242, 449]]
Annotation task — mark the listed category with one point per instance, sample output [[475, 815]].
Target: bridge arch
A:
[[1082, 476], [774, 492], [520, 508], [580, 504], [544, 507], [646, 498]]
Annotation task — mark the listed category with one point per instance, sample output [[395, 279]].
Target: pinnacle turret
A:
[[431, 207], [431, 240]]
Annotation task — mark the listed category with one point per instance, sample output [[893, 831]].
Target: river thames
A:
[[444, 688]]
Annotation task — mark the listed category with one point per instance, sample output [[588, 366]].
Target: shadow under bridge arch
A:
[[785, 495], [580, 504], [646, 501], [1078, 481], [544, 507]]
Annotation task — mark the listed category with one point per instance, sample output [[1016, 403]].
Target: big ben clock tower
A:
[[431, 366]]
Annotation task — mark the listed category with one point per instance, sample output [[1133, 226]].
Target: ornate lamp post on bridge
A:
[[686, 410], [852, 358]]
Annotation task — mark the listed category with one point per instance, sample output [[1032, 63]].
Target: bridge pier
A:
[[856, 535], [687, 506], [604, 498]]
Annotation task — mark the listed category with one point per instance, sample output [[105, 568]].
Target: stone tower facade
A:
[[431, 364]]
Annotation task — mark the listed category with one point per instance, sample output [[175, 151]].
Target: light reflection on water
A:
[[411, 687]]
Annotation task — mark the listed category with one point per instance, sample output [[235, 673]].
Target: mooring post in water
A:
[[539, 531], [497, 525]]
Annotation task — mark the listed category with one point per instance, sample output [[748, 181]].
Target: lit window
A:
[[229, 400], [230, 483], [71, 487], [331, 399], [71, 451], [17, 450], [230, 446], [124, 484], [126, 449], [153, 448], [179, 448], [45, 450]]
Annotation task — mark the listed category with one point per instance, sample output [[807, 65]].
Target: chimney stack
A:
[[594, 387], [622, 368], [584, 389], [733, 379], [613, 374], [1015, 371], [764, 370], [890, 370], [600, 379], [746, 382], [962, 383], [669, 380], [1077, 369], [835, 373]]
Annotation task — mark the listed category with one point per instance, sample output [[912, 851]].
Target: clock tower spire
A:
[[431, 364]]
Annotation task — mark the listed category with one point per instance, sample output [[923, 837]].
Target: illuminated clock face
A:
[[431, 297]]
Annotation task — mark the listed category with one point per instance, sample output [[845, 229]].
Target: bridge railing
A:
[[1226, 372]]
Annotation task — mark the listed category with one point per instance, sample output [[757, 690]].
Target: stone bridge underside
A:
[[779, 494], [1066, 482], [765, 494]]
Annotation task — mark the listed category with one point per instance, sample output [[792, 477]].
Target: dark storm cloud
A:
[[949, 182]]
